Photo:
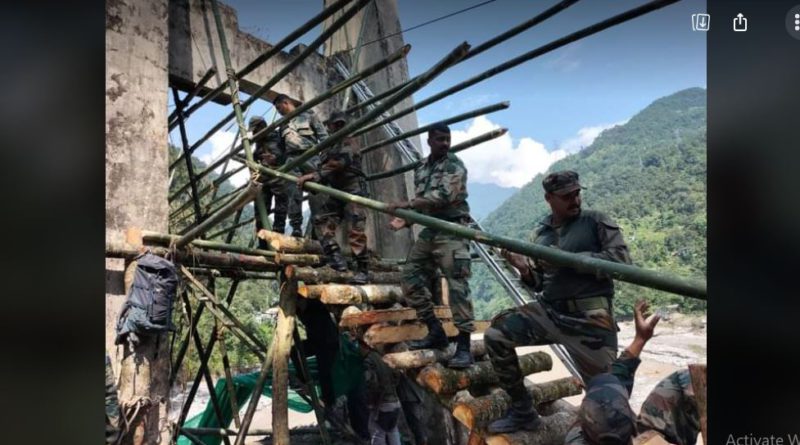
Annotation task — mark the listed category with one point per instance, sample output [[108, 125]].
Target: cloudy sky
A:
[[559, 102]]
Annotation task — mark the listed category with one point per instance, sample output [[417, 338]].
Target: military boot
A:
[[436, 338], [333, 256], [297, 233], [521, 415], [362, 269], [462, 358]]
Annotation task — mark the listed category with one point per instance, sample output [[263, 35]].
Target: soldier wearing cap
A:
[[576, 307], [440, 191], [270, 152], [299, 135], [340, 168]]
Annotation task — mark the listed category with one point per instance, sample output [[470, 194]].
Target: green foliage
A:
[[650, 176], [251, 300]]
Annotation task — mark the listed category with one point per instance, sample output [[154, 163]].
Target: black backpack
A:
[[148, 308]]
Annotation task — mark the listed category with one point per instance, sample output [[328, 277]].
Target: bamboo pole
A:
[[280, 365], [191, 95], [185, 147], [231, 273], [409, 89], [478, 412], [240, 201], [441, 380], [585, 32], [363, 74], [283, 72], [195, 258], [273, 50], [454, 149], [584, 263], [276, 257], [309, 384], [232, 228], [483, 46], [451, 120], [226, 366]]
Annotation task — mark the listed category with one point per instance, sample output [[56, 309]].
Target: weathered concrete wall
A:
[[194, 48], [381, 20], [136, 177]]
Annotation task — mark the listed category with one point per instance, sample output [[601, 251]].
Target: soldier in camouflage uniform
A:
[[576, 309], [441, 191], [605, 416], [112, 405], [269, 152], [341, 169], [300, 134]]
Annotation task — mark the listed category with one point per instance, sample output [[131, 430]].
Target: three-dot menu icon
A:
[[793, 22]]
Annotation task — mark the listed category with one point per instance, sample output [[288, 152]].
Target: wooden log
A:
[[552, 432], [382, 333], [443, 380], [284, 243], [425, 357], [478, 412], [385, 315], [352, 294], [280, 364], [321, 275], [698, 375]]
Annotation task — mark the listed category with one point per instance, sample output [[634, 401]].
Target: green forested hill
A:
[[650, 175]]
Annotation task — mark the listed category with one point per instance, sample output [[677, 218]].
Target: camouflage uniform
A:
[[112, 405], [576, 309], [299, 135], [341, 169], [281, 191], [671, 410], [605, 411], [381, 381], [442, 184]]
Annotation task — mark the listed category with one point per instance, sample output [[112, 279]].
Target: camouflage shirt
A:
[[340, 168], [301, 133], [671, 410], [441, 188], [590, 233], [624, 369]]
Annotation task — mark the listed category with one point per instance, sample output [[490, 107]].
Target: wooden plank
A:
[[382, 333], [386, 315]]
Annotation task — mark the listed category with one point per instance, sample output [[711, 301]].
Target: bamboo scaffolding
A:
[[280, 366], [451, 120], [198, 258], [585, 32], [454, 149], [363, 74], [273, 50], [623, 272], [404, 92], [185, 147], [232, 228]]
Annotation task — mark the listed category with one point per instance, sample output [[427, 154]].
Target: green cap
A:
[[561, 183]]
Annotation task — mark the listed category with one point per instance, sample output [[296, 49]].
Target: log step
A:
[[289, 244], [382, 333], [351, 294], [386, 315], [324, 275], [425, 357], [551, 432]]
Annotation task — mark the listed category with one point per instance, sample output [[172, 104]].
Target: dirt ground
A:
[[678, 341]]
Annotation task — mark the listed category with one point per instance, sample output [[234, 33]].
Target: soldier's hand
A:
[[397, 223], [544, 265], [514, 259], [393, 206], [645, 322], [302, 179]]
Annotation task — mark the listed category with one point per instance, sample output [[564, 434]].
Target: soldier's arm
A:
[[319, 130], [613, 247], [452, 189], [624, 367]]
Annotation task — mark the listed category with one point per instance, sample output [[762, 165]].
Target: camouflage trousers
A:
[[671, 410], [329, 217], [590, 338], [287, 199], [451, 255], [112, 405]]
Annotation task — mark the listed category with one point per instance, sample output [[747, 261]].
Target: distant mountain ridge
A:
[[649, 174]]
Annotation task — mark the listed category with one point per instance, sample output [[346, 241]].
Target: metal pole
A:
[[623, 272]]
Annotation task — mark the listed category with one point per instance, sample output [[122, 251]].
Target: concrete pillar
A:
[[136, 187], [381, 20]]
